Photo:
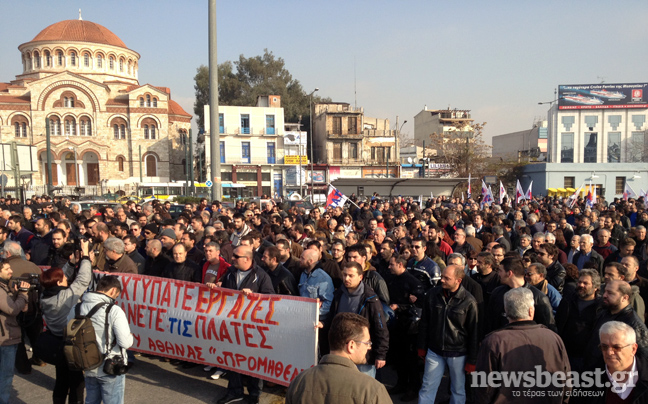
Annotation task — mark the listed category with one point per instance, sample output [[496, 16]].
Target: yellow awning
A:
[[572, 190], [552, 190], [563, 190]]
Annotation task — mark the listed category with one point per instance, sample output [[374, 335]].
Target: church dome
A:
[[79, 31]]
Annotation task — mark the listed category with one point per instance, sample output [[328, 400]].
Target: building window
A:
[[337, 125], [245, 152], [614, 147], [68, 102], [337, 151], [55, 126], [154, 102], [567, 148], [119, 131], [638, 147], [21, 129], [589, 155], [141, 102], [271, 153], [86, 127], [146, 132], [378, 154], [148, 100], [353, 125], [73, 58], [353, 151], [59, 54], [619, 185], [152, 129], [48, 59], [151, 166], [120, 163], [221, 123], [270, 124], [86, 59], [37, 59], [245, 124], [222, 152], [99, 61], [569, 182], [70, 126], [112, 63], [246, 176], [121, 65], [149, 131]]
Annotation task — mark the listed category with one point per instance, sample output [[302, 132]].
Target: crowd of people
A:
[[443, 288]]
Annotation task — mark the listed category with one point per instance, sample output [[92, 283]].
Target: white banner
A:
[[272, 337]]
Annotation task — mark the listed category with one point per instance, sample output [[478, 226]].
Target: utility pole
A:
[[217, 190], [49, 157], [312, 140], [191, 165]]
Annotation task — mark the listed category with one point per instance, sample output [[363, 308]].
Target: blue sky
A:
[[497, 58]]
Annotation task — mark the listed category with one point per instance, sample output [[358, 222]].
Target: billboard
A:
[[294, 138], [603, 96], [294, 160]]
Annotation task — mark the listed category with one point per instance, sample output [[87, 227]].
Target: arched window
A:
[[73, 58], [148, 100], [21, 129], [154, 102], [152, 131], [146, 132], [48, 59], [86, 127], [151, 166], [86, 59], [121, 65], [68, 102], [119, 131], [141, 102], [37, 60], [99, 61], [55, 126], [59, 55], [120, 163], [70, 126], [28, 61], [112, 63]]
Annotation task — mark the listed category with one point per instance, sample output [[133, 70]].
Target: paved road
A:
[[149, 381]]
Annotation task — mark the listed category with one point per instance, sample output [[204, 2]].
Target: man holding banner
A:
[[248, 278]]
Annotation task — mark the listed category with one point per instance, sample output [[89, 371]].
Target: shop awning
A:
[[231, 185]]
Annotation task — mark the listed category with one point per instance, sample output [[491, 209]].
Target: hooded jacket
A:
[[10, 306]]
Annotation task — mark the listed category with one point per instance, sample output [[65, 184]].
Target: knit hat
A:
[[169, 233]]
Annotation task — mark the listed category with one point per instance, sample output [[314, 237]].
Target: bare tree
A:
[[462, 147]]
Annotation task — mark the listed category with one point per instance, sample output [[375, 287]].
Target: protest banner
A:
[[267, 336]]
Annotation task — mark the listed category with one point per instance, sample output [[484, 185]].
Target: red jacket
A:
[[222, 268]]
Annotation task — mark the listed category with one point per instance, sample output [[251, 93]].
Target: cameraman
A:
[[57, 301], [11, 304], [99, 384], [31, 321]]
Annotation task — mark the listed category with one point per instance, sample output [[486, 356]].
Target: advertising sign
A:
[[272, 337], [319, 176], [294, 160], [294, 138], [603, 96]]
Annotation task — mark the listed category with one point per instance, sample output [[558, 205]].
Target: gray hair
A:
[[550, 236], [27, 208], [604, 230], [213, 245], [540, 269], [380, 230], [588, 238], [13, 248], [498, 230], [520, 224], [640, 227], [526, 237], [457, 255], [517, 303], [613, 327], [594, 275], [538, 236], [470, 230], [114, 244]]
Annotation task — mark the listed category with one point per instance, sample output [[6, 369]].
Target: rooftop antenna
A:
[[80, 18], [355, 89], [602, 78]]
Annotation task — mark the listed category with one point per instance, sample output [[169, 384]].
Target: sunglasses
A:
[[238, 256]]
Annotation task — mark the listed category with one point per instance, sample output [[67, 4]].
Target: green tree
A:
[[242, 81]]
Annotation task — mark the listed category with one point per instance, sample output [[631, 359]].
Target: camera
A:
[[32, 279], [115, 366]]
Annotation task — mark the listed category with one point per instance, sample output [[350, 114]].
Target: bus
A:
[[169, 190]]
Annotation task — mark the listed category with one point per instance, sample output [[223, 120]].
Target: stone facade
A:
[[79, 78]]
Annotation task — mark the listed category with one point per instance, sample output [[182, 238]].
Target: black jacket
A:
[[257, 280], [449, 324], [155, 266], [377, 284], [138, 260], [400, 289], [593, 355], [283, 281], [293, 266], [574, 326], [372, 310], [184, 271], [556, 276], [495, 315], [599, 395]]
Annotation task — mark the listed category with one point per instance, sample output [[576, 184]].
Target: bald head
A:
[[309, 259], [243, 258]]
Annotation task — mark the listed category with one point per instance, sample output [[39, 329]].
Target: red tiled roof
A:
[[4, 86], [113, 101], [14, 100], [79, 31], [176, 109]]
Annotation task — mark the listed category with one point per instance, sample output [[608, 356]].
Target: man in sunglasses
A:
[[249, 278]]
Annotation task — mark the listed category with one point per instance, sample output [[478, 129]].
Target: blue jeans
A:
[[369, 370], [434, 368], [7, 361], [108, 388]]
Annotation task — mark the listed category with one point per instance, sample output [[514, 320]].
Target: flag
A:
[[628, 192], [519, 194], [529, 195], [469, 192], [335, 198], [574, 197], [502, 193], [589, 201], [490, 193], [487, 197], [462, 198], [645, 196], [431, 195]]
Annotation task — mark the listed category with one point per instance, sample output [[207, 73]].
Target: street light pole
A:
[[555, 120], [310, 96], [299, 152]]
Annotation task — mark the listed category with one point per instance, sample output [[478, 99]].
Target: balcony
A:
[[250, 131], [378, 133], [332, 135]]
